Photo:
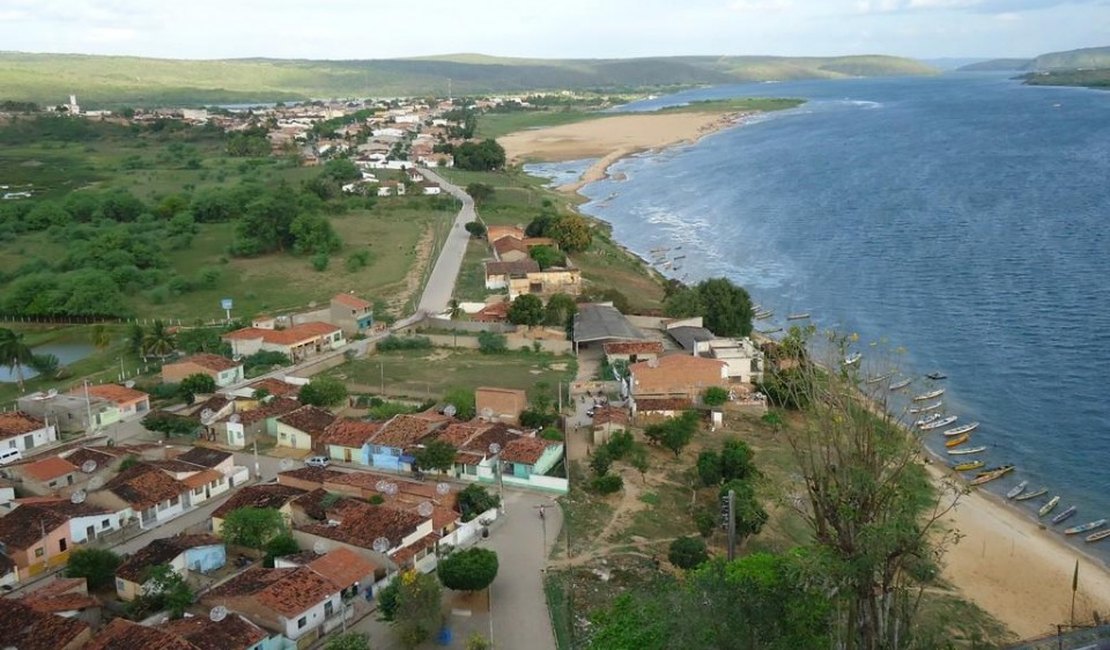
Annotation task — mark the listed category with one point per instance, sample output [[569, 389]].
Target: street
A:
[[441, 283]]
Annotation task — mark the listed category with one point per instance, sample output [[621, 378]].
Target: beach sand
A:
[[1017, 572], [612, 138]]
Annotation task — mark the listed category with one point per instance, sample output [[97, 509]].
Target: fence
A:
[[512, 342]]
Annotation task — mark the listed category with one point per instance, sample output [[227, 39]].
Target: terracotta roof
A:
[[676, 374], [403, 430], [634, 347], [497, 232], [525, 450], [310, 419], [81, 455], [497, 432], [22, 528], [360, 523], [48, 468], [312, 474], [61, 603], [540, 241], [348, 300], [459, 433], [232, 633], [343, 567], [276, 387], [21, 626], [663, 404], [289, 336], [493, 313], [14, 423], [288, 592], [403, 556], [202, 478], [212, 362], [174, 466], [143, 485], [122, 634], [276, 408], [68, 509], [204, 456], [161, 551], [113, 393], [509, 243], [345, 432], [607, 414], [518, 268], [268, 495]]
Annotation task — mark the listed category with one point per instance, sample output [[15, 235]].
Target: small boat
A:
[[852, 359], [943, 422], [1091, 525], [992, 474], [960, 430], [928, 419], [763, 315], [936, 376], [679, 257], [1071, 510], [775, 330], [1031, 495], [1047, 508], [957, 441], [969, 450], [899, 385], [1017, 489], [928, 407], [927, 396], [878, 378], [797, 316], [968, 466], [1099, 536]]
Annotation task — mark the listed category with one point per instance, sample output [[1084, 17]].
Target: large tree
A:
[[725, 307], [196, 384], [436, 455], [323, 391], [526, 309], [471, 570], [253, 527], [560, 310], [572, 231], [474, 500], [96, 565], [158, 341], [418, 611]]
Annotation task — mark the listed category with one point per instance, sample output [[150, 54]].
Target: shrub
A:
[[475, 500], [714, 396], [601, 460], [709, 468], [706, 521], [492, 343], [533, 419], [687, 552], [620, 443], [607, 484], [553, 434], [471, 570], [320, 261], [392, 343], [476, 229]]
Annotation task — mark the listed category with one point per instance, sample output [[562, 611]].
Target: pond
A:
[[67, 351]]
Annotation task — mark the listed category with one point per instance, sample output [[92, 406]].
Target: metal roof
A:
[[688, 337], [603, 322]]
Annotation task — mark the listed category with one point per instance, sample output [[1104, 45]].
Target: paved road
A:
[[441, 283]]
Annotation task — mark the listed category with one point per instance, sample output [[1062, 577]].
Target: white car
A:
[[317, 461]]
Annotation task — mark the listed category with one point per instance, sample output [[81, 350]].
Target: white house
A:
[[91, 525], [290, 601], [22, 431], [431, 188]]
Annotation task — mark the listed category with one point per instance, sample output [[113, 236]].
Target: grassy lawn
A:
[[471, 284], [427, 374]]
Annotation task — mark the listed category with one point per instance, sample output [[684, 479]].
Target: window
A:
[[284, 435], [53, 484], [40, 551], [105, 523], [329, 609], [301, 622], [174, 501], [61, 545]]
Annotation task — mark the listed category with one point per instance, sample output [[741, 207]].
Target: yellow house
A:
[[302, 428]]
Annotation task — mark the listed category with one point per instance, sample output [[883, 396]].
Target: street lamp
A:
[[495, 449]]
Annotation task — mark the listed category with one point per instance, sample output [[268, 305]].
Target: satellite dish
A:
[[53, 392], [450, 411], [237, 358], [487, 412], [207, 414], [381, 544], [234, 418], [443, 488], [320, 547], [391, 489], [217, 613], [380, 485], [129, 383], [78, 496], [96, 482], [286, 463], [494, 448], [425, 509], [89, 466]]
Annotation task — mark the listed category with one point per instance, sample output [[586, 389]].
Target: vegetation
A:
[[394, 342], [323, 391], [474, 500], [607, 484], [480, 192], [725, 307], [687, 552], [170, 424], [96, 565], [471, 570], [280, 545], [482, 156], [415, 609], [674, 433], [253, 527], [714, 396], [164, 589], [492, 343], [476, 229], [196, 384], [348, 641], [526, 309], [436, 455], [14, 353]]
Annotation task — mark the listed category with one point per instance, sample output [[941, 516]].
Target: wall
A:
[[464, 326], [206, 558], [78, 526], [288, 436], [538, 482], [513, 342]]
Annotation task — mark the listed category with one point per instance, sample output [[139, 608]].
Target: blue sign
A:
[[225, 304]]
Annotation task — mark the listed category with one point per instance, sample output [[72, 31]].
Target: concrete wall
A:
[[513, 342], [464, 326]]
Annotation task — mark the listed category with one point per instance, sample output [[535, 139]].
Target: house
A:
[[495, 312], [266, 495], [666, 407], [294, 602], [676, 375], [499, 274], [45, 476], [510, 249], [222, 370], [348, 440], [9, 573], [67, 597], [297, 342], [146, 493], [401, 432], [494, 233], [221, 461], [414, 176], [239, 429], [692, 338], [302, 428], [351, 313], [608, 420], [23, 431], [275, 387], [602, 323], [632, 351], [129, 401], [233, 632], [552, 280], [69, 412], [182, 553], [391, 188], [93, 460], [527, 455], [35, 538], [743, 359], [87, 521], [502, 404], [25, 628], [346, 569], [429, 189], [359, 525]]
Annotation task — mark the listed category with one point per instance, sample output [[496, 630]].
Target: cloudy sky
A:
[[348, 29]]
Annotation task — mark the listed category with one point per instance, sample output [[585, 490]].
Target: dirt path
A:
[[416, 272]]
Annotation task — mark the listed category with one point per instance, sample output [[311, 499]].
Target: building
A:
[[66, 597], [45, 476], [545, 283], [129, 401], [501, 404], [351, 313], [297, 342], [69, 412], [608, 420], [294, 602], [676, 375], [500, 274], [743, 359], [509, 249], [221, 461], [348, 570], [600, 324], [238, 429], [232, 632], [527, 455], [402, 432], [222, 370], [146, 493], [35, 538], [24, 627], [9, 573], [632, 351], [302, 428], [184, 554], [495, 233], [23, 431], [265, 495], [348, 440]]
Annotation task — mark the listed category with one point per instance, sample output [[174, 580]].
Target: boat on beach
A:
[[943, 422], [957, 441], [927, 396], [968, 466], [936, 376], [878, 378], [928, 407], [1031, 495], [852, 359], [960, 430], [1098, 537], [1090, 525], [1017, 489], [1071, 510], [992, 474], [967, 451], [928, 419], [1047, 508], [899, 385], [797, 316]]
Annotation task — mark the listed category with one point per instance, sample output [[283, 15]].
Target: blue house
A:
[[184, 554], [388, 447]]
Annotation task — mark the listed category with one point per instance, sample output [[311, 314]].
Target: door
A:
[[61, 546], [347, 454], [90, 532]]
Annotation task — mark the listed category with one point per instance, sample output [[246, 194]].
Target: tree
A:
[[313, 233], [348, 641], [709, 468], [471, 570], [323, 391], [714, 396], [750, 515], [253, 527], [128, 462], [170, 424], [158, 341], [418, 610], [436, 455], [474, 500], [387, 600], [101, 337], [601, 461], [484, 156], [492, 343], [15, 354], [736, 460], [341, 169], [96, 565], [560, 310], [547, 257], [676, 433], [45, 364], [728, 308], [540, 226], [477, 642], [135, 337], [168, 589], [640, 461], [687, 552], [281, 545], [454, 309], [526, 309], [463, 401], [683, 302], [476, 229], [196, 384], [572, 231], [480, 192]]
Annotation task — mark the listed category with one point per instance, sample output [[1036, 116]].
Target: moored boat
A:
[[968, 466], [943, 422], [763, 315], [852, 359], [957, 441], [936, 376], [774, 330], [928, 419], [1032, 495], [1047, 508], [992, 474], [1017, 489], [1099, 536], [878, 378], [928, 407], [797, 316], [899, 385], [1090, 525], [966, 428], [1071, 510], [968, 450], [927, 396]]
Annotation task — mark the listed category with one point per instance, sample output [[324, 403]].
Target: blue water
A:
[[67, 352], [962, 217]]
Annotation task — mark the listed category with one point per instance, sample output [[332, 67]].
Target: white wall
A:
[[78, 526], [38, 437], [315, 617]]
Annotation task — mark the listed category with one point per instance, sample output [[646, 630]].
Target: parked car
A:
[[317, 461]]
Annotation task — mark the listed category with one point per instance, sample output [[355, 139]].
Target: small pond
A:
[[67, 351]]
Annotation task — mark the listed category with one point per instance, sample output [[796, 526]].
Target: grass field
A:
[[495, 125], [471, 284]]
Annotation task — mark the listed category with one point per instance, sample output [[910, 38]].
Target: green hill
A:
[[997, 65], [1087, 58], [119, 80]]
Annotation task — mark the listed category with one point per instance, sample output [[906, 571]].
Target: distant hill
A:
[[1087, 58], [119, 80], [997, 65], [953, 63]]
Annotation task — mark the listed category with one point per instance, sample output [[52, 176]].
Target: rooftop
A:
[[112, 392], [595, 322], [289, 336], [288, 592], [14, 423], [266, 495], [634, 347], [688, 337], [275, 387], [122, 634], [22, 528], [607, 414], [663, 404], [212, 362], [202, 478], [348, 300], [518, 268], [345, 432], [48, 468], [204, 456], [403, 430], [232, 633], [360, 523], [82, 455], [525, 449], [143, 485], [342, 566], [161, 551], [23, 627], [310, 419], [276, 408]]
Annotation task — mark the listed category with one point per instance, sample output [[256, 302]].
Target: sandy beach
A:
[[612, 138]]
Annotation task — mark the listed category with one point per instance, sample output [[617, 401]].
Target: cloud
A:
[[760, 5], [976, 6]]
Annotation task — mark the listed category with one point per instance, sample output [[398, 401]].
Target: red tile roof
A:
[[61, 595], [346, 432], [276, 387], [82, 455], [663, 404], [343, 567], [204, 456], [14, 423], [276, 408], [161, 551], [360, 523], [232, 633], [507, 244], [405, 555], [115, 393], [143, 485], [348, 300], [634, 347], [288, 592], [21, 626], [267, 495], [518, 268], [48, 468], [525, 450], [310, 419], [212, 362], [202, 478], [122, 634], [610, 414], [403, 430], [289, 336], [22, 528]]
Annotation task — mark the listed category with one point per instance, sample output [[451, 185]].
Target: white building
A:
[[22, 431]]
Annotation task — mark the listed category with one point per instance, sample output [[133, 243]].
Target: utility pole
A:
[[257, 468], [88, 406], [730, 505]]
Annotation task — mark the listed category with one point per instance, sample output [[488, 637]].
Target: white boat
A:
[[852, 359], [967, 450], [1074, 530], [1017, 489], [960, 430], [875, 380], [1032, 495], [928, 407], [927, 396], [899, 385], [797, 316], [1098, 537], [928, 419], [763, 315], [1047, 508], [943, 422]]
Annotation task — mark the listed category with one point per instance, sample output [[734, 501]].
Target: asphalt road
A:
[[441, 283]]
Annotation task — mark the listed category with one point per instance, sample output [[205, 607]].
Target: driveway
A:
[[441, 283]]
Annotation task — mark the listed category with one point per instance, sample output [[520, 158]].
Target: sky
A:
[[368, 29]]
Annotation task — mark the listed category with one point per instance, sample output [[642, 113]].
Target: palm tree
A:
[[455, 310], [135, 337], [158, 342], [45, 364], [14, 353]]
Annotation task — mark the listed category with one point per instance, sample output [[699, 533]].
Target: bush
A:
[[357, 261], [492, 343], [320, 261], [323, 391], [476, 229], [687, 552], [607, 484], [97, 566], [714, 396], [392, 343], [475, 500], [620, 443], [471, 570], [533, 419], [709, 468], [706, 521], [601, 460], [553, 434]]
